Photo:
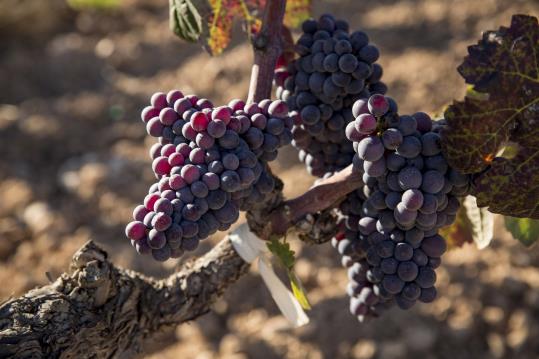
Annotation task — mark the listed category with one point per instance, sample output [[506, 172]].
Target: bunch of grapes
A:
[[409, 193], [333, 70], [210, 164]]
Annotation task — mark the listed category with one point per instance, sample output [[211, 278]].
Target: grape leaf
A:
[[524, 229], [297, 11], [185, 20], [282, 251], [504, 68], [220, 23], [211, 21], [460, 232]]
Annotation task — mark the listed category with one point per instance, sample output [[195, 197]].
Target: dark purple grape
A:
[[426, 277], [420, 258], [407, 271], [430, 143], [434, 246], [367, 225], [229, 213], [410, 178], [433, 182], [163, 205], [231, 161], [347, 63], [424, 122], [428, 295], [199, 189], [403, 252], [370, 149], [410, 147], [392, 284], [407, 125], [161, 254], [369, 54], [190, 244], [385, 249], [412, 199], [376, 168], [404, 303], [389, 265], [156, 239]]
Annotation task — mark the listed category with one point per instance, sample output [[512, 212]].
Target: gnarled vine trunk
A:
[[99, 310]]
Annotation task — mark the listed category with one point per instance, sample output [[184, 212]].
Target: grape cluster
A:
[[334, 69], [210, 164], [409, 193]]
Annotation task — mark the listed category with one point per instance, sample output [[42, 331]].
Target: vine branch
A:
[[267, 48]]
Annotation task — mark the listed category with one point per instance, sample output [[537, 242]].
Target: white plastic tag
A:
[[251, 248]]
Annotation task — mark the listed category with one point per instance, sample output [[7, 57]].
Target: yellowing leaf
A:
[[298, 290], [526, 230], [221, 20], [297, 11], [459, 232]]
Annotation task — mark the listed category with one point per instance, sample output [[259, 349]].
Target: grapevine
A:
[[211, 162], [392, 192]]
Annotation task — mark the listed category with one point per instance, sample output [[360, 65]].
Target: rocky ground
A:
[[74, 163]]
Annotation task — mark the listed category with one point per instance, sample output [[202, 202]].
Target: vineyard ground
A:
[[71, 164]]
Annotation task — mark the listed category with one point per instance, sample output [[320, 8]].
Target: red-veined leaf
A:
[[504, 69]]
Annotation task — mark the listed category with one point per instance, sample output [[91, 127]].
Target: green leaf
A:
[[503, 107], [299, 291], [185, 20], [526, 230], [481, 221], [282, 251]]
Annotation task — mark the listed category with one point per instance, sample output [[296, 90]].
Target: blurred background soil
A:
[[74, 162]]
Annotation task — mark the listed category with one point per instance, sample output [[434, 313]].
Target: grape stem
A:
[[267, 45], [325, 194]]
